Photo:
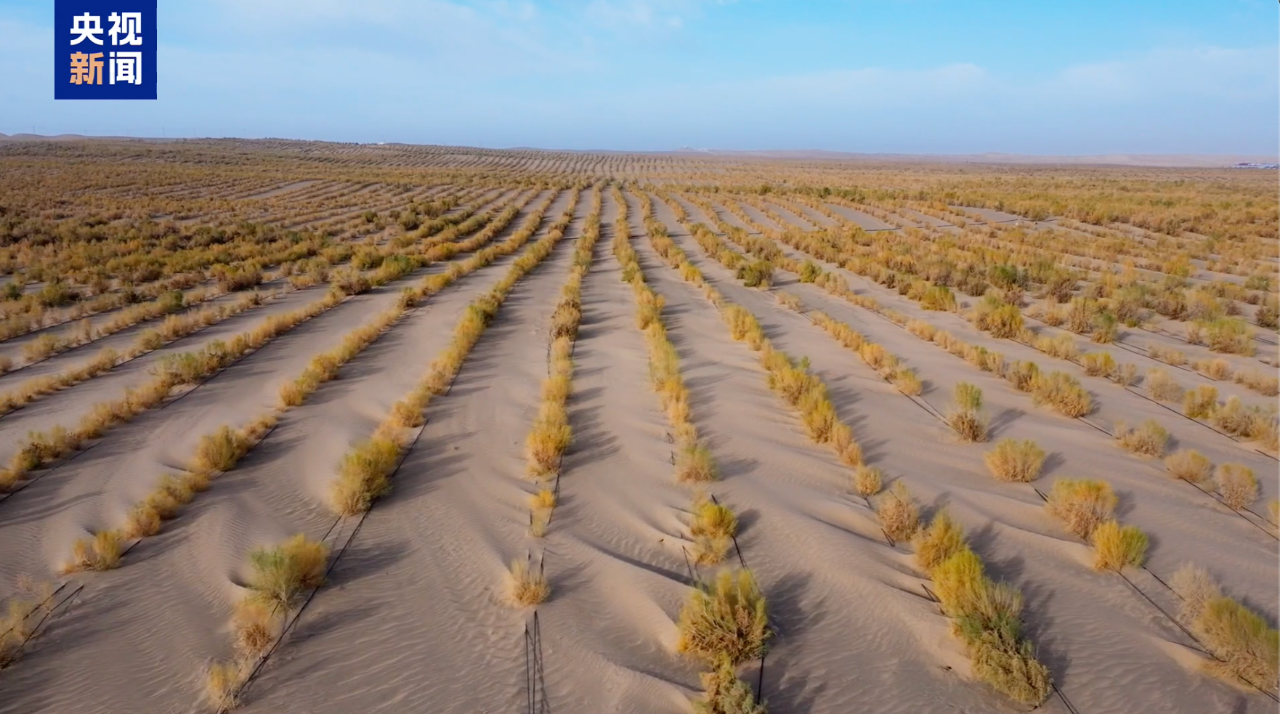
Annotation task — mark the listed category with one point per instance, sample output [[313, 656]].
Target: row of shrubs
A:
[[695, 462], [221, 450], [33, 312], [217, 452], [790, 379], [1003, 319], [365, 470], [1086, 508], [173, 328], [42, 448], [279, 578], [1236, 484], [1244, 647], [1232, 417], [84, 332], [985, 614], [725, 623], [1129, 295], [712, 525], [1059, 390], [551, 432]]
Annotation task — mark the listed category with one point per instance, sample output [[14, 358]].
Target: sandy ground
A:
[[412, 619]]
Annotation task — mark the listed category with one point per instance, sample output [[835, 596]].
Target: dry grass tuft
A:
[[1149, 439], [1062, 392], [713, 527], [907, 382], [725, 620], [966, 417], [942, 539], [1246, 647], [724, 693], [1189, 465], [1196, 588], [899, 514], [101, 552], [1201, 403], [256, 625], [1081, 504], [1163, 387], [1098, 364], [1014, 460], [987, 616], [524, 586], [1237, 485], [696, 464], [281, 574], [867, 480], [219, 451], [364, 476], [222, 684], [1116, 546]]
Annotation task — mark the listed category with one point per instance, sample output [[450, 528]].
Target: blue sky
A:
[[911, 76]]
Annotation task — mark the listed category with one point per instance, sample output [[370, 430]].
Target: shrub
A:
[[966, 418], [725, 621], [101, 552], [1233, 418], [789, 300], [1002, 320], [899, 515], [1062, 346], [1098, 364], [1013, 460], [1201, 402], [1261, 382], [544, 499], [1237, 485], [279, 575], [940, 540], [1149, 439], [1195, 587], [1062, 392], [1189, 465], [1163, 387], [1125, 375], [968, 396], [1023, 375], [1248, 648], [222, 684], [713, 527], [938, 297], [695, 464], [219, 451], [550, 436], [724, 693], [364, 475], [1216, 369], [968, 424], [867, 480], [256, 625], [907, 382], [525, 587], [1081, 504], [1116, 546]]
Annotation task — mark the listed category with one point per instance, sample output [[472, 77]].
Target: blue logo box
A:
[[104, 49]]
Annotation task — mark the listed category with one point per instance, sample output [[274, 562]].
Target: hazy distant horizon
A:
[[1170, 160]]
